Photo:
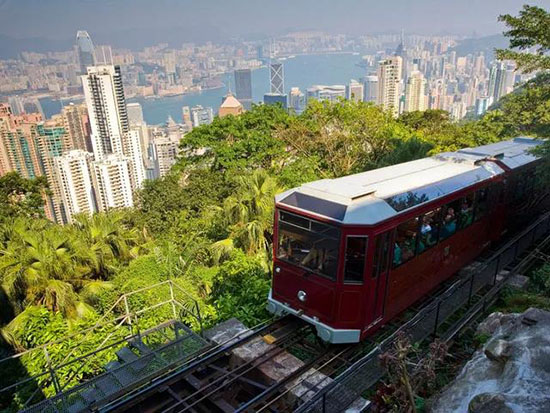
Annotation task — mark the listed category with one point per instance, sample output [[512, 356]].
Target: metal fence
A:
[[366, 372], [127, 320]]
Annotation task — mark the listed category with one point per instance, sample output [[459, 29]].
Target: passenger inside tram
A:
[[466, 213], [449, 223]]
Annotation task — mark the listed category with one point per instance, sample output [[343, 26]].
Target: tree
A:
[[21, 197], [531, 29], [249, 216]]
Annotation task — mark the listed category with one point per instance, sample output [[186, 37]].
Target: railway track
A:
[[312, 373]]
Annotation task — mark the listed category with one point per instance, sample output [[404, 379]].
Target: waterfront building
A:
[[276, 99], [135, 113], [243, 87], [84, 51], [331, 93], [277, 78], [230, 106], [354, 91], [370, 88], [296, 100], [74, 180], [415, 94], [201, 116], [389, 80]]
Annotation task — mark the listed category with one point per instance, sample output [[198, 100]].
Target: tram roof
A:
[[370, 197]]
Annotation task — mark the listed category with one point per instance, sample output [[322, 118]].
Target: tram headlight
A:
[[302, 296]]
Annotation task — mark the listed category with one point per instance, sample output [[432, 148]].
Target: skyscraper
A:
[[76, 123], [501, 80], [84, 50], [243, 87], [104, 95], [73, 176], [133, 151], [296, 100], [354, 91], [370, 87], [165, 152], [331, 93], [277, 78], [276, 99], [389, 78], [415, 94]]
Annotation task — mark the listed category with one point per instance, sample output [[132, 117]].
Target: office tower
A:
[[135, 113], [16, 105], [103, 55], [370, 88], [415, 94], [186, 117], [104, 95], [84, 51], [260, 52], [201, 116], [165, 150], [134, 152], [76, 124], [111, 177], [230, 106], [389, 78], [276, 99], [74, 180], [331, 93], [277, 78], [354, 91], [243, 87], [296, 100]]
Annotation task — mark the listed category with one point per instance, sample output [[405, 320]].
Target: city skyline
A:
[[176, 22]]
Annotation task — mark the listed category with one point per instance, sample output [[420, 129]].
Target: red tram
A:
[[353, 252]]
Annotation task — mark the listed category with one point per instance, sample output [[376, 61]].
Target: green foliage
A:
[[539, 281], [21, 197], [240, 289], [531, 29]]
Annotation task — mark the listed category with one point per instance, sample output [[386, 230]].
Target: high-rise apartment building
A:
[[296, 100], [186, 117], [77, 125], [370, 88], [277, 78], [165, 152], [73, 177], [111, 176], [501, 80], [84, 51], [415, 93], [201, 116], [135, 114], [106, 104], [354, 91], [133, 144], [243, 87], [389, 83]]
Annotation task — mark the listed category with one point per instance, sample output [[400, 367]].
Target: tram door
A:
[[380, 274]]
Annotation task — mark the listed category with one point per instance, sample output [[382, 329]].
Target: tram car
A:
[[352, 253]]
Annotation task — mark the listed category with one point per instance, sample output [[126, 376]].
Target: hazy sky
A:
[[123, 22]]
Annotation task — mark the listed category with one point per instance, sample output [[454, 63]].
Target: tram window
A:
[[405, 242], [466, 211], [429, 230], [449, 218], [308, 244], [356, 248], [482, 203]]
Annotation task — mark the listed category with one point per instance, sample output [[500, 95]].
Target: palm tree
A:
[[249, 216], [104, 241]]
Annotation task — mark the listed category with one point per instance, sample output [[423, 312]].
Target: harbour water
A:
[[301, 71]]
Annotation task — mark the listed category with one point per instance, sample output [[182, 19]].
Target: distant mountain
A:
[[486, 44]]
